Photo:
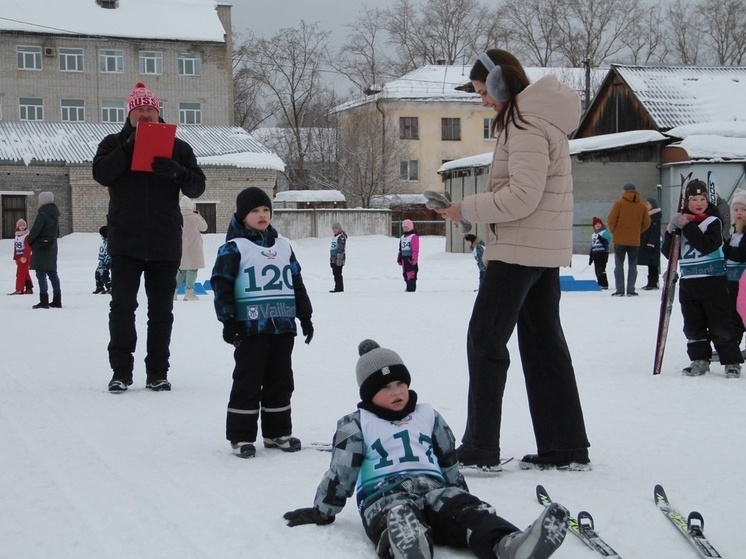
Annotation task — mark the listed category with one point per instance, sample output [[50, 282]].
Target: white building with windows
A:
[[77, 60]]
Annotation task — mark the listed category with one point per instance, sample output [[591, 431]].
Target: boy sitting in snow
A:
[[704, 294], [401, 456]]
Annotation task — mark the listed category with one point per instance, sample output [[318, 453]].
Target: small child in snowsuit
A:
[[103, 270], [337, 256], [259, 292], [401, 458], [477, 248], [705, 305], [409, 253], [599, 255], [22, 257], [734, 250]]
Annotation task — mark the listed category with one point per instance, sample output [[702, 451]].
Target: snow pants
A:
[[409, 273], [160, 282], [23, 276], [528, 297], [262, 386], [600, 259], [452, 516], [337, 274]]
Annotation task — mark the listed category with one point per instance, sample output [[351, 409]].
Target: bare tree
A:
[[725, 21], [251, 107], [534, 26], [684, 27], [593, 29], [649, 44], [289, 66], [369, 154]]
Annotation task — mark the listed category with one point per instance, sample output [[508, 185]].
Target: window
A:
[[408, 128], [29, 58], [409, 170], [112, 111], [190, 113], [71, 60], [151, 62], [31, 108], [111, 61], [73, 110], [190, 64], [487, 129], [450, 129]]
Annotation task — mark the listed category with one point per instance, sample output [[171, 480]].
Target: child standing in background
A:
[[409, 253], [477, 248], [103, 270], [22, 257], [734, 250], [399, 457], [703, 294], [599, 255], [259, 292]]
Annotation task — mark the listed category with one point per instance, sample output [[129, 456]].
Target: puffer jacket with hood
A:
[[528, 200]]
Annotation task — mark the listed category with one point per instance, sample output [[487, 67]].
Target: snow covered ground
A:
[[87, 474]]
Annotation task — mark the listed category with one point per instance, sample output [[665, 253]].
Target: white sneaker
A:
[[698, 368], [189, 295], [539, 540], [286, 444], [244, 450], [733, 371]]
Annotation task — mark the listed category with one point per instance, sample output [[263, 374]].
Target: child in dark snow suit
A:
[[22, 257], [477, 249], [401, 458], [259, 292], [103, 270], [734, 249], [599, 256], [409, 254], [703, 294]]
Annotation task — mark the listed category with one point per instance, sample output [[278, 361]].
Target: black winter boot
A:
[[43, 301], [56, 301]]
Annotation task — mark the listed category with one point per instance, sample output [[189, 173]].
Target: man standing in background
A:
[[627, 220]]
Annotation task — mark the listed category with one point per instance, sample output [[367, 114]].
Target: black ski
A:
[[692, 527], [668, 292], [582, 526]]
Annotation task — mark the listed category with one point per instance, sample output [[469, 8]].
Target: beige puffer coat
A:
[[192, 251], [528, 199]]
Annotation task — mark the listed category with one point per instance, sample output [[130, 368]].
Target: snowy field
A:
[[87, 474]]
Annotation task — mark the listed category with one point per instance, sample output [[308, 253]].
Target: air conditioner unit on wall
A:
[[50, 51]]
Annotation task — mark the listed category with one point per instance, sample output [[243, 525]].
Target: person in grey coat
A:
[[43, 240]]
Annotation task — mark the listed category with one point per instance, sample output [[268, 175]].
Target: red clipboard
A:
[[152, 139]]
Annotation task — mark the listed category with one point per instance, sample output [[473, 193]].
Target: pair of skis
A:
[[692, 527]]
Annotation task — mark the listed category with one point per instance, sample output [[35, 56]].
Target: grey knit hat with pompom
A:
[[377, 367]]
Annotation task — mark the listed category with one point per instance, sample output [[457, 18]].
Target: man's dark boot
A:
[[56, 301], [43, 301]]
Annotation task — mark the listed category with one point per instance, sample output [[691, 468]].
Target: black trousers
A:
[[160, 283], [600, 259], [337, 273], [262, 386], [528, 297]]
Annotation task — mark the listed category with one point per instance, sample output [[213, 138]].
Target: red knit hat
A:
[[597, 220], [141, 97]]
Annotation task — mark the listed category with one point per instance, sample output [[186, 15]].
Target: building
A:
[[77, 60]]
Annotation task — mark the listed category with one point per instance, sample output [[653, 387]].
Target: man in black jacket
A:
[[144, 230]]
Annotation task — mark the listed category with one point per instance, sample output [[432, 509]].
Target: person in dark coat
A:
[[144, 231], [43, 240], [650, 244]]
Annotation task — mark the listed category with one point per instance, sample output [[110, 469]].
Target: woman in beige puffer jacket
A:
[[192, 249], [527, 206]]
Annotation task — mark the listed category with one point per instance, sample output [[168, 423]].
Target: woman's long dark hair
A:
[[516, 81]]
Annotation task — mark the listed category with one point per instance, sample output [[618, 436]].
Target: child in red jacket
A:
[[22, 256]]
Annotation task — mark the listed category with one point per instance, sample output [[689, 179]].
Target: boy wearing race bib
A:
[[399, 457], [703, 295], [259, 292]]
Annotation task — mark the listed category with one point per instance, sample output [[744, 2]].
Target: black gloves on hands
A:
[[232, 332], [590, 259], [129, 144], [307, 327], [165, 167], [308, 515]]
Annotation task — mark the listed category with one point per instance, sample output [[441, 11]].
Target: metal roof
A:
[[73, 142], [677, 96]]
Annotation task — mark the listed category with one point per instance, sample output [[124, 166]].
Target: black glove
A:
[[308, 515], [590, 259], [129, 144], [168, 168], [232, 332], [307, 327]]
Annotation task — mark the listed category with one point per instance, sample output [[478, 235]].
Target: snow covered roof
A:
[[310, 196], [388, 200], [144, 19], [438, 83], [677, 96], [76, 142]]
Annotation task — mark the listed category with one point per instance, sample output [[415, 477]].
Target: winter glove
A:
[[309, 515], [590, 259], [129, 144], [307, 327], [165, 167], [678, 221], [399, 260], [340, 259], [232, 332]]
